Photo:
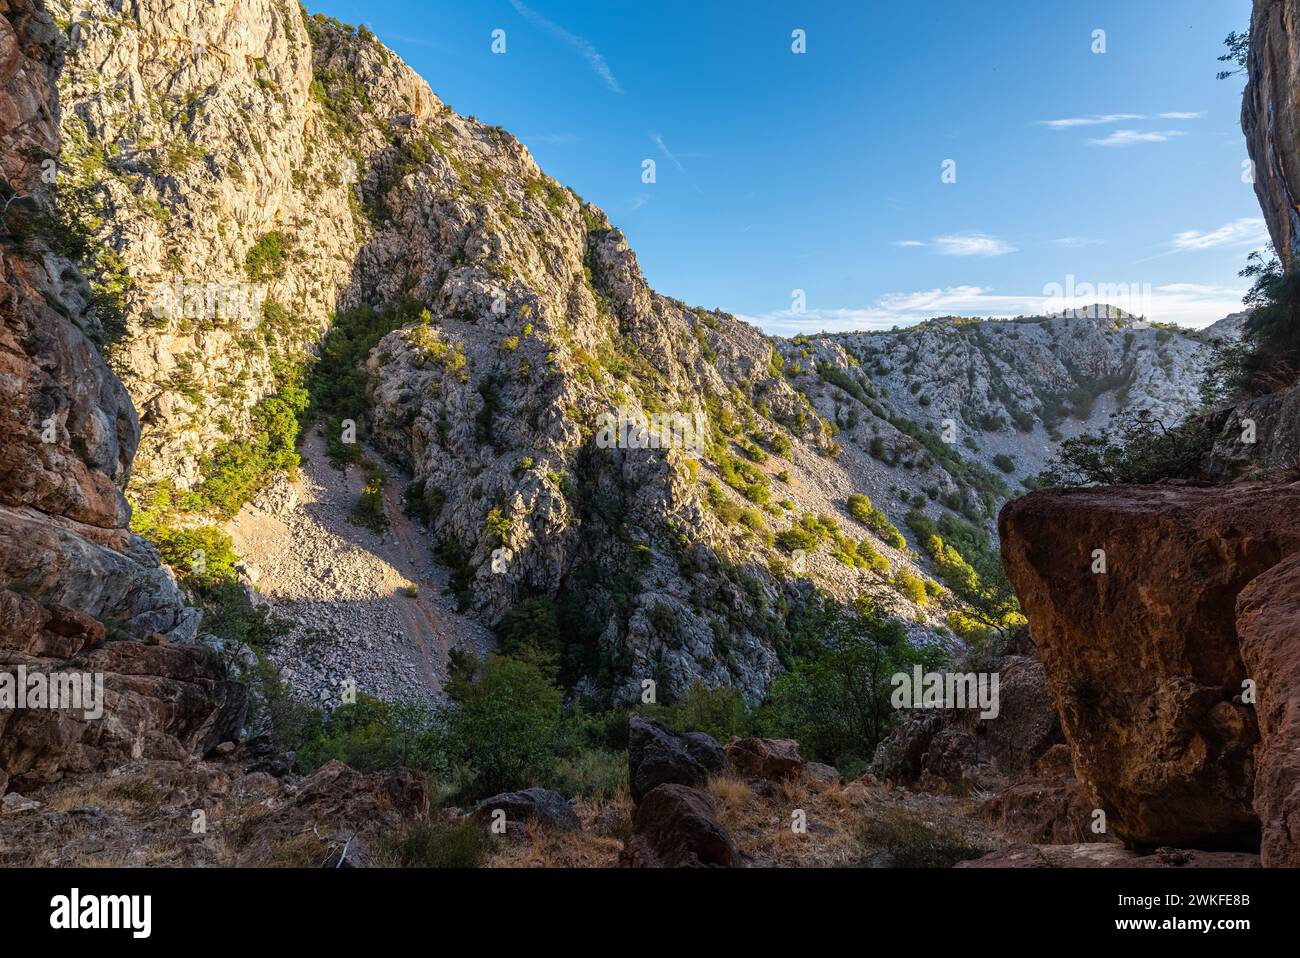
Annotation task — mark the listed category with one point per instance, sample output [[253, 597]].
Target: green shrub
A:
[[370, 734], [1136, 448], [498, 526], [798, 537], [369, 510], [268, 258], [437, 844], [910, 587], [239, 468], [720, 712], [505, 725], [835, 697], [532, 624]]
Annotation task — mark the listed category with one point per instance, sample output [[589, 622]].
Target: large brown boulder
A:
[[677, 827], [1268, 618], [769, 758], [1143, 659]]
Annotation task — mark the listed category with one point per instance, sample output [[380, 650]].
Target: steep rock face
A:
[[1270, 118], [1144, 660], [78, 592], [1268, 618], [192, 137]]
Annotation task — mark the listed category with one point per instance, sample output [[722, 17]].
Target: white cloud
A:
[[1076, 242], [1186, 304], [590, 53], [1182, 116], [1073, 121], [663, 148], [1247, 231], [1130, 137], [971, 244], [962, 244]]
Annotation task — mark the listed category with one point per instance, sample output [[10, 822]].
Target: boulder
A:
[[1143, 659], [15, 804], [956, 751], [1057, 811], [337, 804], [351, 852], [706, 750], [543, 805], [161, 700], [1268, 618], [677, 827], [769, 758], [657, 756]]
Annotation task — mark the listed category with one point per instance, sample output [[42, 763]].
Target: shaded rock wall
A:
[[1145, 660]]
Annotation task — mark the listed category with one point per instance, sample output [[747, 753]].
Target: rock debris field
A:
[[341, 591]]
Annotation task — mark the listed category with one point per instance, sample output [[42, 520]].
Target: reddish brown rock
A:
[[1143, 659], [336, 808], [770, 758], [677, 827], [1270, 118], [1057, 811], [160, 700], [1268, 618]]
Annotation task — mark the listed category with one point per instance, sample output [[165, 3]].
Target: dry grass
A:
[[303, 850], [606, 825], [905, 838], [730, 794]]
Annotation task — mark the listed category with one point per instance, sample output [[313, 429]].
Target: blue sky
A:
[[822, 171]]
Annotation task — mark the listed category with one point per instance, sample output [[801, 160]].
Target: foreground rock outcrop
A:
[[1268, 618], [658, 756], [677, 827], [79, 594], [1145, 658]]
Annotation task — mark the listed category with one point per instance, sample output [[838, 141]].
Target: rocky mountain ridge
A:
[[301, 164]]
